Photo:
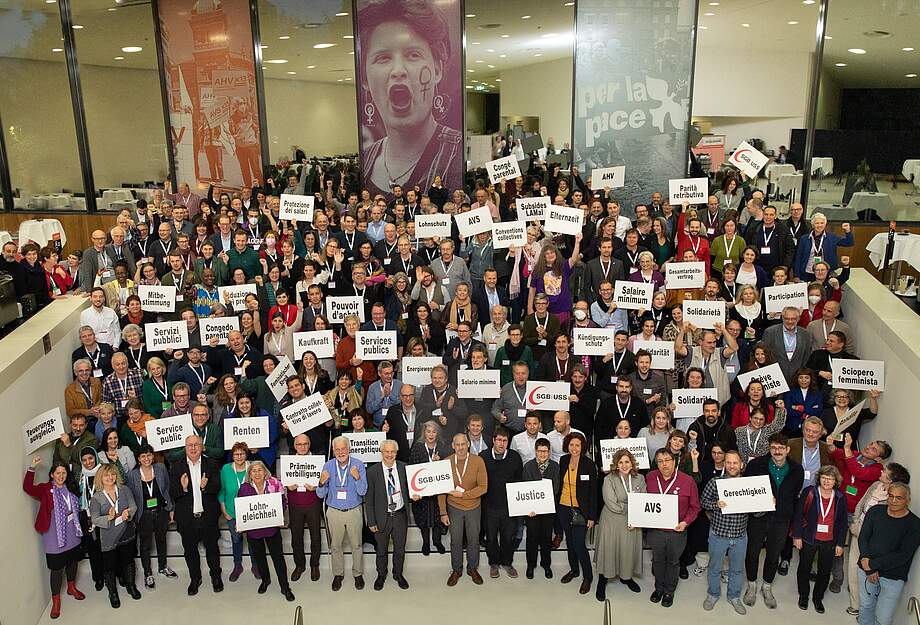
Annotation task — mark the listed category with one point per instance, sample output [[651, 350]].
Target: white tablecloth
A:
[[788, 183], [906, 248], [118, 205], [112, 195], [910, 168], [5, 237], [881, 202], [822, 162], [775, 170], [52, 201], [41, 231], [835, 212]]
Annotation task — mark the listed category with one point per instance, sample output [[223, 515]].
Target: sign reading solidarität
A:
[[547, 395], [532, 496], [430, 478], [662, 352], [858, 375], [688, 402], [690, 190]]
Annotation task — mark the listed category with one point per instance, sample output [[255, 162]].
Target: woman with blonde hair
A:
[[156, 390], [112, 511], [618, 551]]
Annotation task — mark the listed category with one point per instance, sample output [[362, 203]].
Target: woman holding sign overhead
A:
[[551, 277], [577, 509], [618, 546]]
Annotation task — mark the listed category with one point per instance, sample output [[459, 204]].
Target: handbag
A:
[[578, 519], [129, 536]]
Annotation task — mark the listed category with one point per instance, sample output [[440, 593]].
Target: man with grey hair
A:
[[819, 329], [460, 509], [790, 343], [818, 245], [383, 393], [386, 507], [118, 250]]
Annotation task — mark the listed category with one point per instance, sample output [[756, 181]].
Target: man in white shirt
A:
[[102, 319], [561, 429], [524, 442], [623, 223]]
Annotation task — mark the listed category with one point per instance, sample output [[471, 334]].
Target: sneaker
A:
[[739, 607], [750, 595], [168, 572], [783, 568], [853, 611], [835, 585], [768, 599], [149, 582], [511, 571], [698, 571], [709, 602], [493, 571]]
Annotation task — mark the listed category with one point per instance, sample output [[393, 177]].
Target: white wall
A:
[[541, 90]]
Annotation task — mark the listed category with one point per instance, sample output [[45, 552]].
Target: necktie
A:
[[391, 489]]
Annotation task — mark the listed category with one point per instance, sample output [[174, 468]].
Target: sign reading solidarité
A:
[[633, 295], [478, 383], [638, 447], [652, 510], [277, 379], [532, 208], [858, 375], [608, 177], [778, 297], [365, 446], [593, 341], [563, 220], [748, 159], [250, 430], [218, 328], [547, 395], [430, 226], [771, 376], [746, 494], [509, 233], [690, 190], [341, 307], [298, 207], [170, 432], [157, 298], [166, 335], [259, 511], [416, 370], [662, 352], [690, 275], [688, 402], [474, 221], [703, 314], [43, 429], [375, 345], [503, 169], [430, 478], [533, 496], [320, 342], [306, 414], [300, 470]]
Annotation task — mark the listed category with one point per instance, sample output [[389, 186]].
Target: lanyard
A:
[[824, 328], [113, 503], [143, 248], [817, 250], [240, 359], [446, 267], [617, 363], [406, 420], [646, 281], [137, 359], [494, 457], [438, 400], [407, 264], [633, 258], [696, 248], [562, 370], [166, 247], [477, 448], [342, 475], [766, 239], [162, 389], [825, 513], [464, 352], [279, 344], [311, 387], [431, 452], [622, 412], [94, 357], [124, 385], [733, 289], [521, 396], [627, 485], [545, 321], [606, 269], [89, 488], [179, 282], [88, 394], [363, 290], [795, 230], [667, 487], [459, 473], [351, 243], [200, 377], [814, 454], [149, 487], [753, 445], [728, 248], [389, 248]]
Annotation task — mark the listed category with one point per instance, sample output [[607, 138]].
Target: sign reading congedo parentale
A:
[[532, 208], [771, 376], [43, 429], [430, 226], [375, 344], [662, 352], [157, 298], [608, 177], [858, 375], [690, 275], [306, 414], [259, 511], [430, 478], [297, 207], [320, 342], [170, 432], [341, 307], [593, 341], [300, 470], [250, 430], [416, 370], [503, 169], [703, 314], [478, 384], [633, 295], [563, 220], [547, 395], [218, 328], [532, 496], [746, 494], [506, 234], [166, 335], [365, 446], [474, 221], [690, 190], [638, 447]]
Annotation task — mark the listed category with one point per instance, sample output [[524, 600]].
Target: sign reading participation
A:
[[478, 383], [771, 376], [218, 328], [633, 295], [688, 402], [746, 494], [608, 177], [306, 414], [365, 446], [277, 379], [547, 395], [563, 220], [652, 510], [858, 375], [638, 447], [157, 298], [43, 429], [533, 496], [320, 342], [259, 511], [703, 314], [250, 430], [474, 221], [662, 352], [341, 307], [690, 190], [593, 341], [236, 294], [507, 234], [503, 169], [416, 370], [300, 470], [170, 432], [690, 275], [532, 208], [778, 297], [748, 159], [430, 478], [430, 226], [297, 207], [166, 335], [375, 344]]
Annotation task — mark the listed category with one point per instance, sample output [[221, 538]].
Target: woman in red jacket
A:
[[58, 522]]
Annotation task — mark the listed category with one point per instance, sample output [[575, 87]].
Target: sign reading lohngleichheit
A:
[[375, 344], [430, 478], [503, 169], [593, 341], [43, 429], [652, 510], [300, 470], [341, 307], [608, 177], [299, 207], [306, 414], [320, 342], [478, 383], [633, 295], [169, 432], [771, 376], [532, 208], [778, 297], [250, 430], [690, 275], [506, 234], [563, 220], [690, 190], [662, 352], [532, 496], [157, 298], [218, 328], [704, 314], [638, 447], [259, 511], [430, 226], [474, 221], [858, 375], [746, 494], [547, 395], [166, 335], [416, 370]]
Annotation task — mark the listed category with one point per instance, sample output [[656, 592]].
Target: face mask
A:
[[253, 221], [814, 299], [580, 315]]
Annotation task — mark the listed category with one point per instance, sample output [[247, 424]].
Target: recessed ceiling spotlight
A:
[[284, 37], [827, 37], [713, 4], [475, 43], [498, 80], [277, 61], [131, 49], [501, 56], [525, 17], [569, 4], [907, 49], [490, 50], [471, 15], [108, 9], [322, 46], [77, 27], [856, 51], [57, 49], [263, 47], [292, 73], [840, 64], [709, 14], [348, 36], [808, 1], [471, 70], [119, 58], [792, 22], [490, 66], [746, 25], [479, 61], [505, 36], [910, 75], [311, 66], [341, 14]]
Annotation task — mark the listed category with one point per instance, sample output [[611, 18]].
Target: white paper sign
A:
[[237, 294], [259, 511], [690, 275], [563, 220], [218, 327], [509, 233], [429, 226], [503, 169], [703, 314], [365, 446], [170, 432], [771, 376], [858, 375], [593, 341], [633, 295], [688, 402], [691, 190], [250, 430], [319, 342], [532, 208], [478, 384], [375, 344], [277, 379], [299, 207], [430, 478], [166, 335], [746, 494], [652, 510], [637, 446], [849, 417], [300, 470], [341, 307], [662, 352], [778, 297], [474, 221], [306, 414], [748, 159], [43, 429], [157, 298], [416, 370], [547, 395], [608, 177], [533, 496]]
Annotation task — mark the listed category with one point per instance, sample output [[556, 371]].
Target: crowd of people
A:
[[839, 502]]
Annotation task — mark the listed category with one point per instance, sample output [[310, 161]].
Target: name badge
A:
[[727, 261], [237, 371], [584, 478], [614, 378], [710, 230], [331, 284], [151, 503], [459, 489], [646, 391], [124, 402], [633, 269], [765, 250], [505, 363], [464, 367], [302, 488], [437, 412], [822, 528], [492, 347], [180, 297], [542, 342], [522, 412], [409, 436], [351, 259], [167, 405], [807, 475], [405, 315], [106, 274], [118, 521], [341, 495], [145, 259], [386, 261], [729, 368], [445, 280], [97, 373], [851, 490]]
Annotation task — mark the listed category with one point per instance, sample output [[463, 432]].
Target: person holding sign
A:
[[259, 481], [550, 277], [802, 401], [858, 470], [503, 466], [232, 476], [149, 483], [693, 240], [843, 404], [753, 438], [428, 448], [618, 546], [305, 512], [577, 510], [821, 360], [461, 511], [540, 526], [604, 268], [701, 356], [386, 511], [426, 327], [345, 360], [646, 272]]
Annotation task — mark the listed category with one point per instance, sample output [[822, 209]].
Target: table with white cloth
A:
[[789, 183], [822, 162], [112, 195], [906, 248], [119, 205], [911, 170], [835, 212], [5, 237], [880, 202], [42, 231], [775, 170]]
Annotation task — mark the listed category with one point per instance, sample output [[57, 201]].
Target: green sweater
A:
[[213, 436], [153, 398], [248, 261], [507, 374], [230, 482]]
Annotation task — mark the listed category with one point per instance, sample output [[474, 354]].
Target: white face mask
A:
[[814, 299], [580, 314], [254, 221]]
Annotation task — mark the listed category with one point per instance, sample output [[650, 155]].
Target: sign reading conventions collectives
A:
[[690, 190], [169, 432], [633, 295], [532, 208], [746, 494], [297, 207], [259, 511], [547, 395], [608, 177], [166, 335], [43, 429], [430, 478], [300, 470], [858, 375], [509, 233], [503, 169], [771, 376], [690, 275], [532, 496], [157, 298], [306, 414], [430, 226]]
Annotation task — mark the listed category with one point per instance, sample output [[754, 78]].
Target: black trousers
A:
[[118, 561], [309, 517], [90, 544], [666, 548], [539, 539], [824, 550], [153, 526], [199, 530], [395, 526], [575, 542], [765, 531], [272, 543], [500, 532]]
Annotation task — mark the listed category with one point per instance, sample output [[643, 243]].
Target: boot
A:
[[601, 591], [112, 587], [128, 573], [55, 606], [74, 592]]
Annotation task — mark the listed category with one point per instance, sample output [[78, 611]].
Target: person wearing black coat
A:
[[503, 466], [577, 510], [399, 418], [540, 526], [481, 298], [437, 338], [584, 411]]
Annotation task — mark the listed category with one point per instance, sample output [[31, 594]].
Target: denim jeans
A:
[[736, 550], [877, 602], [236, 540]]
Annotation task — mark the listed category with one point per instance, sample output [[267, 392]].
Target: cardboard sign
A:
[[166, 335], [365, 446], [259, 511], [230, 82], [746, 494], [478, 383], [504, 235], [237, 294], [690, 190], [690, 275], [688, 402], [277, 379], [608, 177], [637, 446], [532, 208], [157, 298], [503, 169], [563, 220], [300, 470], [170, 432], [748, 159], [430, 226], [652, 510], [306, 414], [858, 375], [43, 429], [703, 314], [778, 297], [534, 496], [320, 342], [771, 376], [218, 113], [218, 327], [593, 341], [547, 395], [430, 478], [375, 344], [416, 370], [474, 221], [297, 207], [633, 295], [341, 307], [250, 430], [849, 417], [662, 352]]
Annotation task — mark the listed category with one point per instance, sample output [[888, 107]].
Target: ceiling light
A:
[[713, 4], [538, 54], [284, 37], [277, 61], [746, 25], [322, 46], [490, 66], [569, 4], [311, 66], [50, 1], [57, 49], [490, 50], [505, 36], [856, 51], [469, 86], [119, 58], [910, 75], [348, 36], [347, 79], [710, 14], [77, 27], [479, 61], [827, 37], [341, 14], [351, 53], [292, 73], [108, 9], [263, 47], [471, 15], [808, 1], [525, 17], [471, 70], [501, 56], [131, 49], [475, 43], [704, 27], [840, 64], [792, 22], [907, 49], [498, 80]]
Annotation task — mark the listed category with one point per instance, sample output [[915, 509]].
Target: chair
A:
[[819, 175]]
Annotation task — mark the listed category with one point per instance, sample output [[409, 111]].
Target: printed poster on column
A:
[[474, 221], [43, 429], [858, 375], [748, 159], [509, 233], [608, 177], [532, 208], [211, 94], [424, 113], [298, 207], [771, 376]]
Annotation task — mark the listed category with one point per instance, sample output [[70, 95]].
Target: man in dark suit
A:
[[349, 238], [402, 419], [489, 294], [603, 268], [773, 242], [161, 247], [386, 509], [358, 287], [789, 342], [118, 249], [194, 482]]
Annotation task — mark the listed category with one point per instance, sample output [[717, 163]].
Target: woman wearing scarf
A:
[[112, 511], [58, 522], [461, 308], [525, 258], [399, 301], [90, 540], [514, 350]]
